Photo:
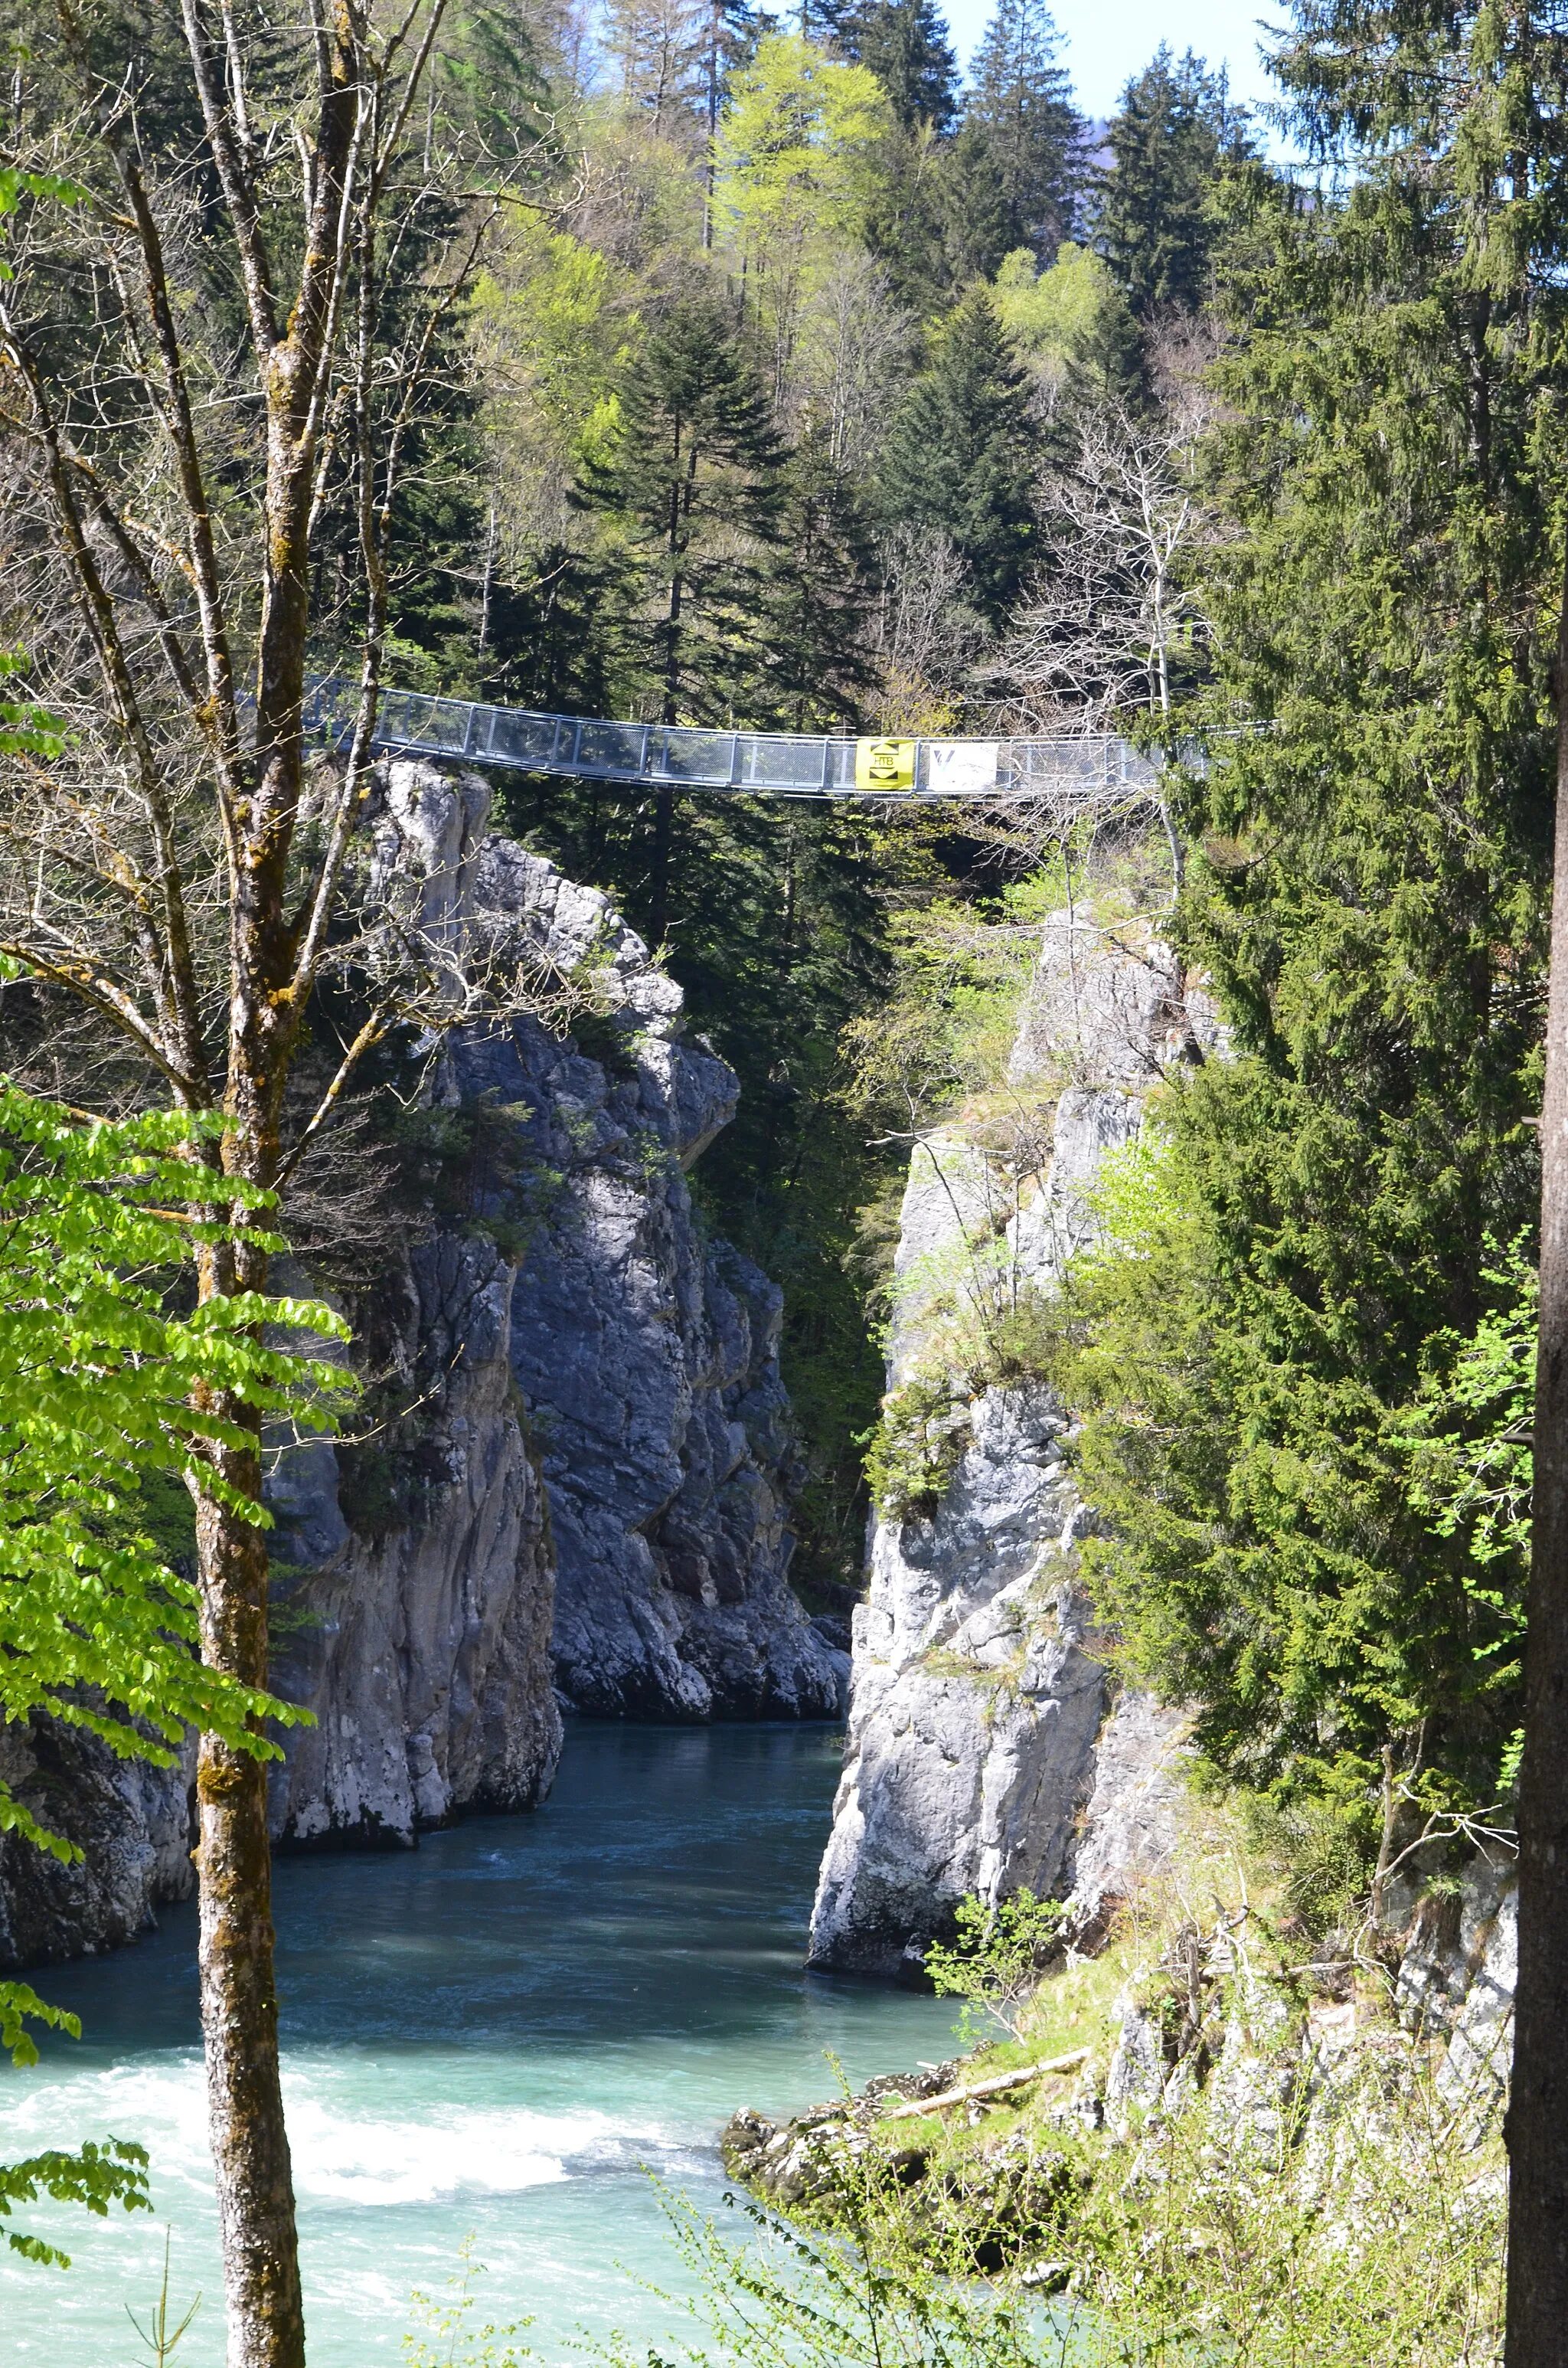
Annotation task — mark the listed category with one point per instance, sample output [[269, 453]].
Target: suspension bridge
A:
[[740, 764]]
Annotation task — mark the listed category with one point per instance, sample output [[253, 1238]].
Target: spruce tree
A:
[[905, 45], [1156, 223], [961, 455], [694, 483], [907, 230], [693, 488], [978, 216], [820, 663], [1021, 103]]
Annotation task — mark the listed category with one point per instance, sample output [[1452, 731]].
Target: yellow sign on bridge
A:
[[885, 763]]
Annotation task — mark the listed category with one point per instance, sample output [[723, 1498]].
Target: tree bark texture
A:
[[239, 1998], [1537, 2126]]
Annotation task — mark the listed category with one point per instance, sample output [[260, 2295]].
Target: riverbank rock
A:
[[420, 1639], [1003, 2197], [131, 1822], [984, 1753]]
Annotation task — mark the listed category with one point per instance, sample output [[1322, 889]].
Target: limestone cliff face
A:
[[585, 1459], [647, 1357], [423, 1651], [981, 1725]]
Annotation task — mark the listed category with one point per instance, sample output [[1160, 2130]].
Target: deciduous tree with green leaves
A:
[[795, 178], [101, 1389]]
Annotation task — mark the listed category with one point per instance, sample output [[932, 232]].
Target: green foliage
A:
[[103, 1395], [1364, 2232], [97, 1380], [947, 1024], [980, 1324], [904, 44], [1471, 1431], [916, 1447], [448, 2332], [1231, 2242], [96, 2177], [875, 2293], [1327, 1855], [691, 478], [1020, 105], [820, 596], [794, 159], [25, 729], [1061, 316], [1157, 223], [1300, 1373], [996, 1959], [961, 453], [1273, 1554]]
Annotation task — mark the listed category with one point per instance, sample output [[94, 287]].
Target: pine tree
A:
[[905, 45], [1156, 223], [1021, 102], [820, 661], [693, 485], [961, 455], [662, 51]]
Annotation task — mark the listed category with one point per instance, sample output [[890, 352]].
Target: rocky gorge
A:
[[570, 1491], [575, 1496]]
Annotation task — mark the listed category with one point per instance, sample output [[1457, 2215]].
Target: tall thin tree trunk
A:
[[239, 1998], [1537, 2113]]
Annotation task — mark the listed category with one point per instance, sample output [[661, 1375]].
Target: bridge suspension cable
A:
[[740, 764]]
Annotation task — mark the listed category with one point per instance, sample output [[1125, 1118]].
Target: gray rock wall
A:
[[423, 1651], [647, 1357], [984, 1753]]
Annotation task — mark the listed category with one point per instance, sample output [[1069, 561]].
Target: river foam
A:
[[498, 2035]]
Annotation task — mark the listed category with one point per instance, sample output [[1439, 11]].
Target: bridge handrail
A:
[[778, 764]]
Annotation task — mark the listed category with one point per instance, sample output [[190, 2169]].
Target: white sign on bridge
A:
[[961, 769]]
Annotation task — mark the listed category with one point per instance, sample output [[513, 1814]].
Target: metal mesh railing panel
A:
[[775, 764]]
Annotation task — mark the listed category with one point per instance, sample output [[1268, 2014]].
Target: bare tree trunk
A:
[[1537, 2125], [239, 1998]]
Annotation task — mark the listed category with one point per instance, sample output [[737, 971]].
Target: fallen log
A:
[[991, 2088]]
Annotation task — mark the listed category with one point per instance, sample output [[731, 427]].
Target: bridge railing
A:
[[776, 764]]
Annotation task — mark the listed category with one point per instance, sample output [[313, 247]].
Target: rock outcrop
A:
[[978, 1733], [647, 1359], [1458, 1971], [579, 1481], [421, 1649], [131, 1822]]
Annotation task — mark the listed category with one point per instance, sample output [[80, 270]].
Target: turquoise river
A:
[[498, 2033]]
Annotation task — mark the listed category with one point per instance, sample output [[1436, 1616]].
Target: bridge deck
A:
[[746, 764]]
